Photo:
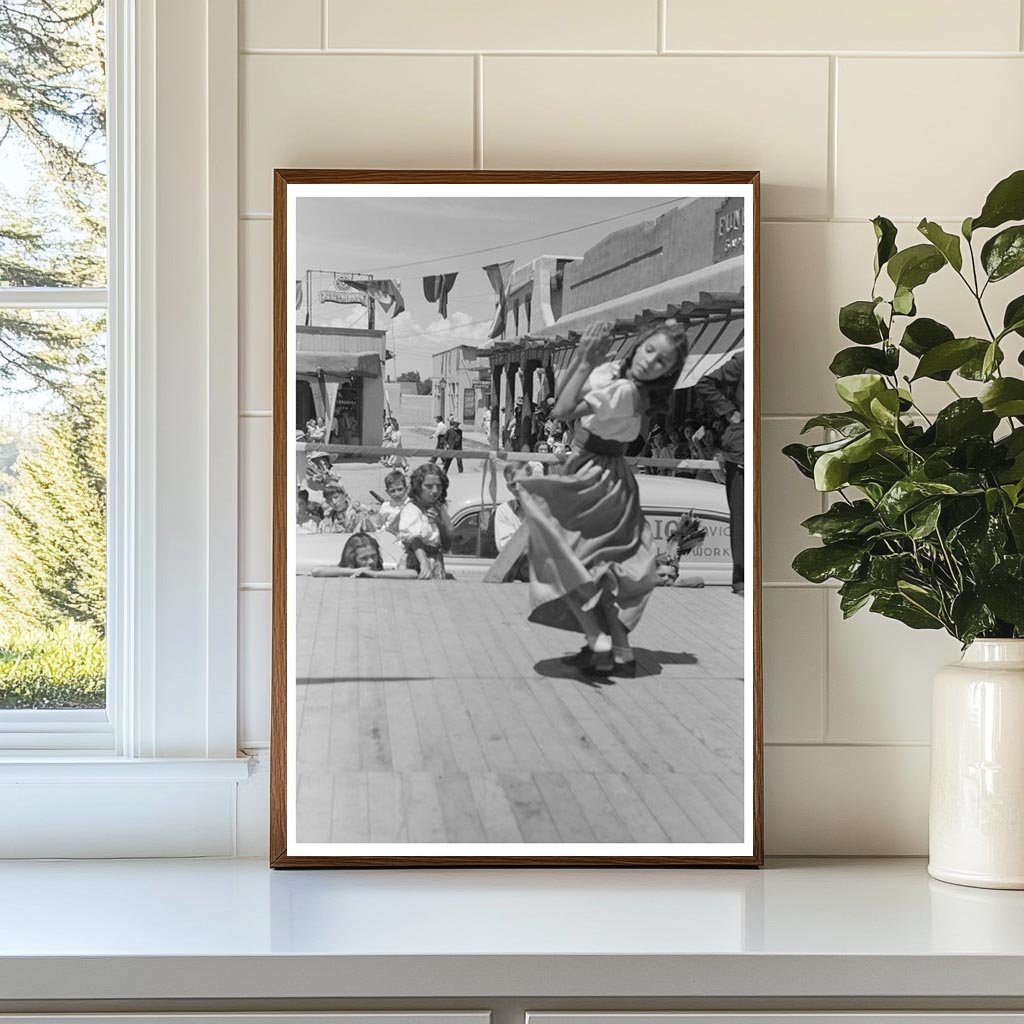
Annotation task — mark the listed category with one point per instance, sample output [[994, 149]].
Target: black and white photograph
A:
[[515, 553]]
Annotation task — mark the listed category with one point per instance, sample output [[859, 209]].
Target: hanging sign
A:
[[729, 229]]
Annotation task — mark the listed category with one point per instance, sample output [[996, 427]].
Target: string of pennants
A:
[[387, 293]]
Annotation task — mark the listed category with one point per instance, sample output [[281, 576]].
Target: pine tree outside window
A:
[[53, 364]]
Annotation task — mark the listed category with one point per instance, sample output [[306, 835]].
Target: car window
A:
[[467, 535], [715, 547]]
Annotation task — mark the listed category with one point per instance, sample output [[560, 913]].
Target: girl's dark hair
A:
[[356, 543], [393, 476], [657, 391], [419, 474]]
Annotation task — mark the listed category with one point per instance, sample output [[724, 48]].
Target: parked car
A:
[[664, 499]]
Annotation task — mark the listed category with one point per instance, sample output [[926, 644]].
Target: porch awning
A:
[[338, 364]]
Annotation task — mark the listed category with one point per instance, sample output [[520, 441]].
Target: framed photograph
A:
[[516, 609]]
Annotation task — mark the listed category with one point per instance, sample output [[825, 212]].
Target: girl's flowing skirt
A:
[[587, 537]]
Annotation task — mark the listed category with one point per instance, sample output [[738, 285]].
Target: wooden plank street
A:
[[435, 712]]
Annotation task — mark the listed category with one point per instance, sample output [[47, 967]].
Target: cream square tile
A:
[[808, 272], [351, 111], [272, 24], [846, 801], [880, 676], [255, 317], [935, 171], [787, 498], [684, 113], [471, 25], [255, 510], [869, 25], [794, 663], [254, 609]]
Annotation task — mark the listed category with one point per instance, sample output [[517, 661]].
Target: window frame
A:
[[148, 117]]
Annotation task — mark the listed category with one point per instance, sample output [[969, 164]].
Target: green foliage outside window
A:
[[52, 366]]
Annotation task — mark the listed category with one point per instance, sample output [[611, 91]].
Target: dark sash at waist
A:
[[585, 441]]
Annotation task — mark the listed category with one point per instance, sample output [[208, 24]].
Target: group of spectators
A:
[[531, 428], [415, 512]]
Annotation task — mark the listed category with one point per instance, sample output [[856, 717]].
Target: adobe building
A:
[[339, 376], [461, 385], [686, 265]]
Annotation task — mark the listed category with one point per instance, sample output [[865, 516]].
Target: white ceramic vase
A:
[[976, 813]]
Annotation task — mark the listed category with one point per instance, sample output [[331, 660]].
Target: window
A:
[[53, 358]]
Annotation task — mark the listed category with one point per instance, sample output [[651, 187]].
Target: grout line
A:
[[255, 216], [255, 414], [340, 51], [254, 586], [823, 723], [259, 51], [663, 26], [833, 134], [854, 744], [323, 24], [478, 111]]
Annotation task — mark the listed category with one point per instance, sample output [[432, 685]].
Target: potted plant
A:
[[926, 524]]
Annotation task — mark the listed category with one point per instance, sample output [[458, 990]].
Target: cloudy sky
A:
[[408, 238]]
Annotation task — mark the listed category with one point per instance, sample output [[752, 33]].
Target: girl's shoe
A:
[[581, 658], [601, 664], [625, 669]]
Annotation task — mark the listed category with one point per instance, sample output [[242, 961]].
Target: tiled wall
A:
[[905, 109]]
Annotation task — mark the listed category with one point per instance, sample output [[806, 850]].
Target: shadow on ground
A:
[[648, 663]]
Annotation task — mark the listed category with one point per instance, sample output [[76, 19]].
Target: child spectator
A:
[[398, 497]]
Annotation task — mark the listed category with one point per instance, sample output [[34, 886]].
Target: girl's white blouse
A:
[[614, 402], [414, 522]]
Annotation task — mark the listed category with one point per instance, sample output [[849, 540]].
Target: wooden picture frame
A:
[[414, 749]]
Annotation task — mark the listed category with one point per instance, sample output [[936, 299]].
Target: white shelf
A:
[[232, 929]]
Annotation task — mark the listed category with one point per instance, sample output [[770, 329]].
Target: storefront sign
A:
[[729, 229]]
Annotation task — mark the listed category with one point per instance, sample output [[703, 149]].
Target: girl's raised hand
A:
[[596, 342]]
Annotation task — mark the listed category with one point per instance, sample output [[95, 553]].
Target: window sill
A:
[[75, 766]]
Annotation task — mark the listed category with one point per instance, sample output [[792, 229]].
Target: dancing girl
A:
[[593, 561]]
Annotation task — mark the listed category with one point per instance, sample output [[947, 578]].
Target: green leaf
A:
[[833, 420], [1003, 254], [925, 518], [1013, 317], [912, 267], [840, 561], [966, 229], [966, 417], [971, 618], [1004, 397], [924, 334], [1005, 202], [907, 494], [800, 456], [857, 321], [842, 521], [903, 302], [885, 410], [1006, 599], [854, 594], [991, 360], [947, 244], [850, 361], [974, 368], [899, 608], [831, 471], [885, 571], [949, 356], [858, 389], [885, 237]]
